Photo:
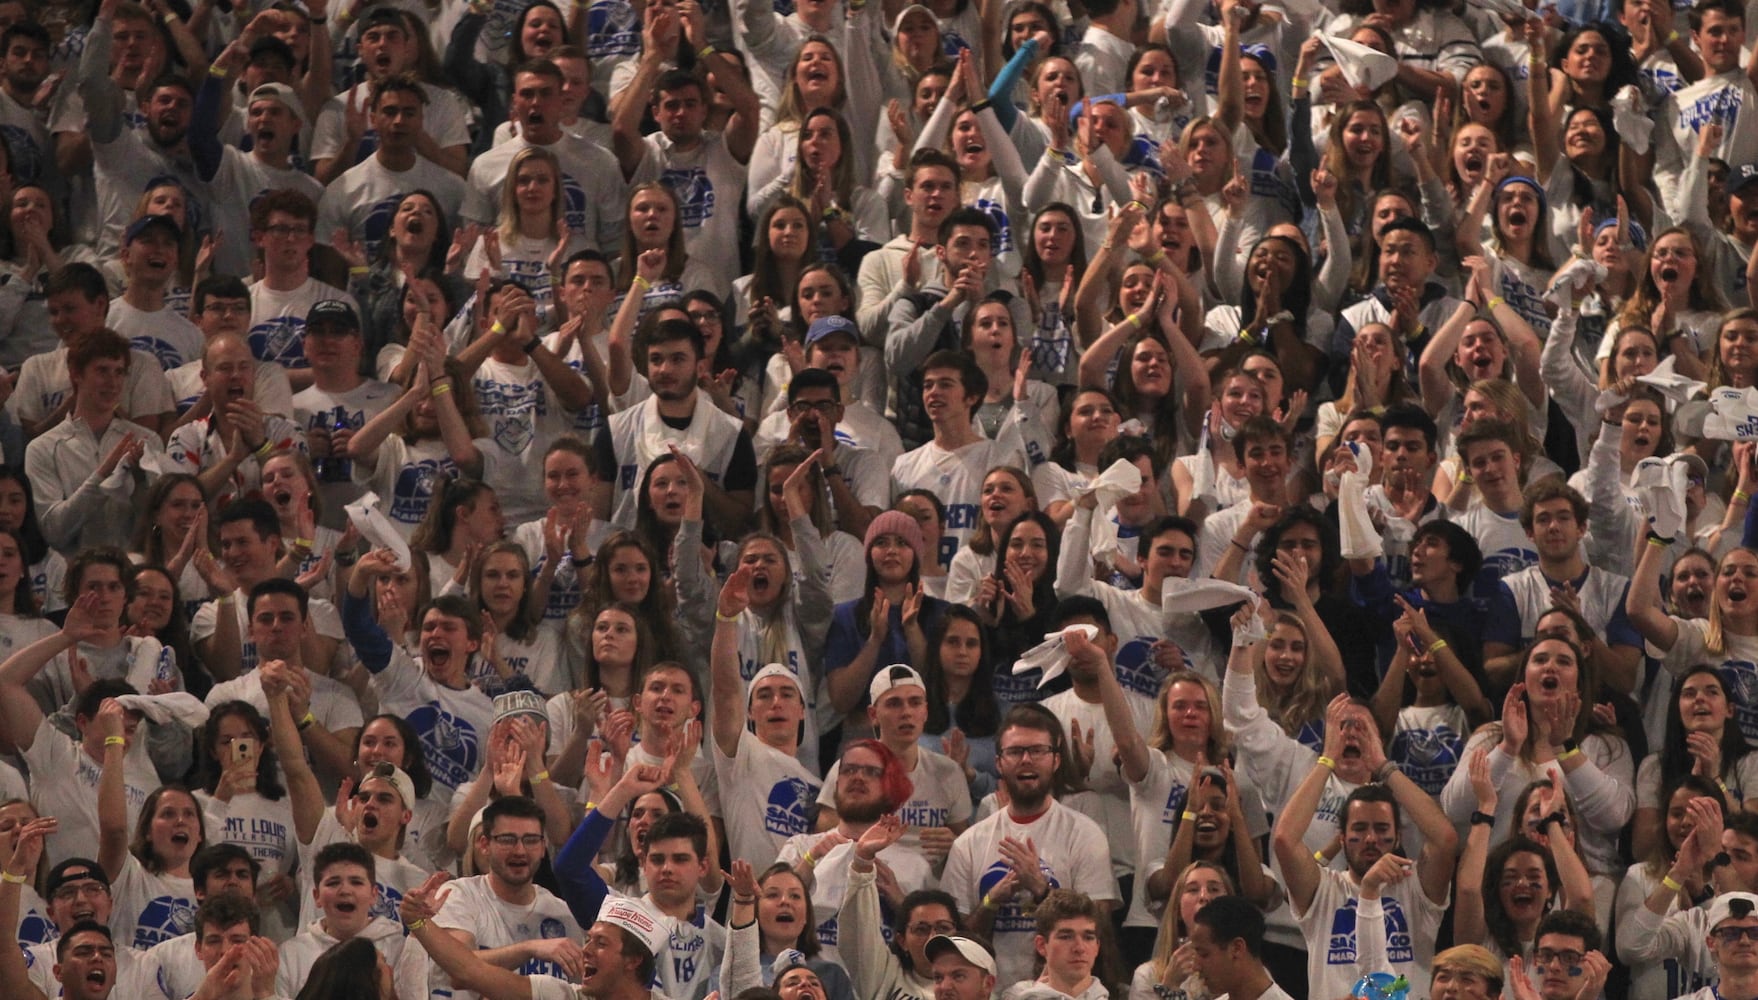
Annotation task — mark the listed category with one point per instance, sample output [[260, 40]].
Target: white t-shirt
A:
[[445, 117], [150, 908], [451, 723], [71, 796], [1155, 803], [758, 824], [164, 334], [939, 797], [362, 200], [830, 876], [1412, 919], [474, 908], [394, 876], [43, 380], [710, 186], [1104, 778], [277, 319], [325, 621], [1506, 548], [1737, 663], [592, 190], [523, 415], [1072, 853], [956, 477], [241, 179]]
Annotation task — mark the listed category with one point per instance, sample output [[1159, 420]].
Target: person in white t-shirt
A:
[[173, 968], [617, 957], [1567, 962], [507, 919], [1012, 859], [149, 259], [344, 888], [78, 892], [228, 939], [1079, 962], [1227, 944], [283, 225], [1371, 821], [760, 757], [148, 863]]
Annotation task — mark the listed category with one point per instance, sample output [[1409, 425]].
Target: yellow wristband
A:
[[6, 876], [1672, 36], [724, 618], [306, 721], [217, 71], [591, 806], [1741, 496], [1319, 856], [1155, 257], [1327, 762], [706, 51], [1133, 319], [1566, 754], [1660, 543], [988, 904], [1187, 815], [418, 924], [1492, 303], [1437, 645], [1464, 478], [1671, 884], [539, 778], [357, 271], [115, 741], [807, 858], [498, 328], [1298, 82], [268, 448], [642, 283], [440, 389], [302, 543]]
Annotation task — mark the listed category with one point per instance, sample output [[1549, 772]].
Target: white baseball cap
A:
[[650, 927], [967, 949], [895, 676]]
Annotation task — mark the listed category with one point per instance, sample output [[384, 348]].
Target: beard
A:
[[861, 812]]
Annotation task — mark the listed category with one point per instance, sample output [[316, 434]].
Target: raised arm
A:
[[1644, 605], [1299, 869], [1468, 912], [112, 789], [727, 690], [458, 960], [1440, 842], [1437, 388], [1132, 749], [303, 791], [20, 868]]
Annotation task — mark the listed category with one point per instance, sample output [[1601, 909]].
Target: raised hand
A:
[[887, 830]]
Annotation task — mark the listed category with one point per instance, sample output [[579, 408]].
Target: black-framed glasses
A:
[[529, 840], [1732, 935], [1571, 959], [1036, 752]]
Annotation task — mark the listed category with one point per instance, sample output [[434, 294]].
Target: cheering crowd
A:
[[878, 500]]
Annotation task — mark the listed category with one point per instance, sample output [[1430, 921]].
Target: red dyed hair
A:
[[897, 785]]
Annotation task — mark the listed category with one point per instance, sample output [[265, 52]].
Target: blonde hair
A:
[[509, 221], [791, 111], [1312, 691], [1218, 744], [1172, 932], [1715, 633]]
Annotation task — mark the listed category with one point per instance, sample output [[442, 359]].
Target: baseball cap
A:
[[279, 92], [967, 949], [824, 326], [1693, 462], [332, 313], [898, 20], [774, 670], [789, 960], [382, 14], [895, 676], [399, 779], [649, 926], [1731, 906], [269, 45], [75, 870], [519, 703], [1742, 177], [145, 222]]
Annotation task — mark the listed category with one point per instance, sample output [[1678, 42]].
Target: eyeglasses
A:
[[824, 406], [529, 840], [1017, 754], [85, 888], [704, 317], [924, 929], [1572, 959], [863, 770], [1732, 935]]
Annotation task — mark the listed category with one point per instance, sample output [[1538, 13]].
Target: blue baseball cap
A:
[[825, 326]]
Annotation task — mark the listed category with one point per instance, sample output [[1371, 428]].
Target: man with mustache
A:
[[1007, 863], [1324, 900]]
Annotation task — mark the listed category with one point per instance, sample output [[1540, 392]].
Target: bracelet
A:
[[1324, 761], [744, 900], [11, 879], [1465, 478], [724, 618], [980, 107], [115, 741], [532, 344], [1319, 856], [267, 449], [643, 284], [1384, 772], [358, 270], [1493, 302], [1235, 543], [1566, 754], [217, 71], [590, 806], [1298, 82], [1188, 815], [498, 328], [1155, 257], [1481, 818], [1741, 496], [1671, 884], [1545, 822], [1672, 36], [807, 857], [706, 51], [1436, 645], [1133, 319], [1136, 204], [224, 598], [539, 778], [319, 21], [307, 720], [302, 543], [988, 904], [1659, 541], [439, 390], [345, 16], [417, 924]]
